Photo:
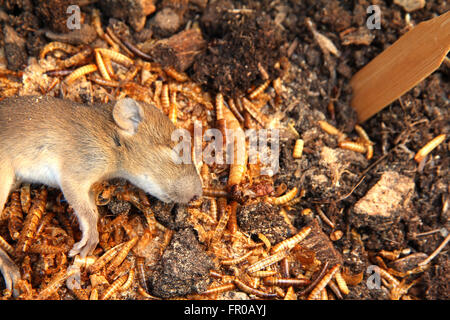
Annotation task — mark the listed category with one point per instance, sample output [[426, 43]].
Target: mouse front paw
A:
[[86, 245], [10, 273]]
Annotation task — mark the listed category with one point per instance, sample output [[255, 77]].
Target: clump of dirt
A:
[[263, 218], [183, 268], [242, 42]]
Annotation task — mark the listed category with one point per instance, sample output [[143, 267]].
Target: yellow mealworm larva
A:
[[165, 102], [76, 59], [114, 287], [122, 254], [298, 149], [31, 222], [258, 90], [266, 241], [264, 273], [341, 282], [116, 56], [178, 76], [277, 86], [101, 65], [55, 283], [386, 275], [426, 149], [369, 154], [80, 72], [330, 129], [316, 292], [250, 290], [221, 224], [353, 146], [219, 106], [237, 260], [220, 289], [96, 22], [283, 199], [173, 110], [292, 241], [57, 46], [254, 112], [129, 281], [15, 221], [105, 258], [6, 246], [363, 134], [265, 262]]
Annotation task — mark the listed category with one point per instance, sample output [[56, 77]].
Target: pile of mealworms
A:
[[38, 231]]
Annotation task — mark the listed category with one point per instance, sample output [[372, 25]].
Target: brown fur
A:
[[71, 146]]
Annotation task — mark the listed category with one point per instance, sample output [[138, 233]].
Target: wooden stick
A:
[[400, 67]]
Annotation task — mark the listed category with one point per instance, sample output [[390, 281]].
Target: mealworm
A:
[[298, 149], [15, 221], [283, 199], [80, 72], [353, 146], [57, 46], [215, 192], [116, 57], [259, 90], [219, 289], [426, 149], [31, 222], [76, 59], [261, 264], [236, 260], [341, 282], [122, 254], [254, 112], [101, 65], [178, 76], [315, 293], [114, 287], [286, 282], [225, 214], [173, 110], [330, 129], [105, 258], [292, 241], [249, 290], [219, 106]]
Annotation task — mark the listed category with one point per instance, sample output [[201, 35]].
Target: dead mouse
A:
[[69, 145]]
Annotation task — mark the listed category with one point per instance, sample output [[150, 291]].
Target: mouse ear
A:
[[127, 114]]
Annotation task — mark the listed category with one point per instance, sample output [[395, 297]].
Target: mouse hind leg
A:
[[10, 272], [82, 202]]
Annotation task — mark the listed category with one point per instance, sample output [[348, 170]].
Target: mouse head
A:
[[146, 155]]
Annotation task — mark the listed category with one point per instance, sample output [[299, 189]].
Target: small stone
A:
[[385, 203], [410, 5]]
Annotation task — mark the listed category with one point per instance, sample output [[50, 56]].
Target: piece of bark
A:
[[178, 51], [385, 203], [318, 242], [409, 262], [15, 52], [134, 11]]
